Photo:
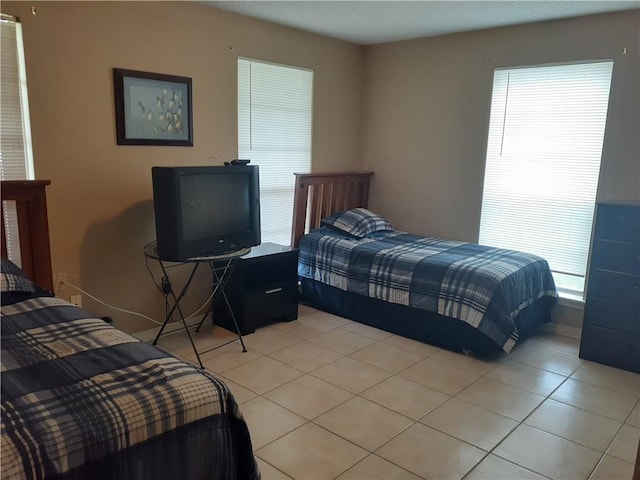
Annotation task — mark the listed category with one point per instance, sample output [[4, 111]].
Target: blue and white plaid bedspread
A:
[[81, 399], [483, 286]]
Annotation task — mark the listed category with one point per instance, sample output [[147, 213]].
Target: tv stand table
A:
[[221, 267]]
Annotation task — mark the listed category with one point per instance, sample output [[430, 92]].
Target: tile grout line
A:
[[414, 422], [452, 396], [613, 439], [548, 397], [520, 422], [354, 395]]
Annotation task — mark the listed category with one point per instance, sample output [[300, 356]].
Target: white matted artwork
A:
[[152, 108]]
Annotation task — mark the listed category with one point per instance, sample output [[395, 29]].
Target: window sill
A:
[[572, 300]]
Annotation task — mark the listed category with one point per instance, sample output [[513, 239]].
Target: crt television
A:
[[205, 211]]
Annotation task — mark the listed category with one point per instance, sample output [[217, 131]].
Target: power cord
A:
[[108, 305], [153, 279], [206, 302]]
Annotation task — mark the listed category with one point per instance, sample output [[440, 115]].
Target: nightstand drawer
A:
[[618, 222], [617, 256], [272, 301], [618, 287], [613, 315]]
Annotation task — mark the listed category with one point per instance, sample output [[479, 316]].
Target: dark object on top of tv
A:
[[205, 211], [237, 162]]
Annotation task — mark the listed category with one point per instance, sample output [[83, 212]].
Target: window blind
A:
[[274, 132], [543, 160], [16, 158]]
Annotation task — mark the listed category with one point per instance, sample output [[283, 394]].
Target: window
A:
[[274, 132], [543, 160], [16, 159]]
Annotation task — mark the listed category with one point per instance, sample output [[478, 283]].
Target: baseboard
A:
[[146, 335], [552, 327], [562, 329], [150, 334]]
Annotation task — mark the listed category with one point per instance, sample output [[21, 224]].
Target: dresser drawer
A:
[[613, 315], [617, 349], [611, 327], [618, 222], [617, 287], [617, 256]]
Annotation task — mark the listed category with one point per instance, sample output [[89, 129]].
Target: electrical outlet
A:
[[76, 300], [61, 279]]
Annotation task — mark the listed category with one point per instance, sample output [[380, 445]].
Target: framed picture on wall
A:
[[152, 108]]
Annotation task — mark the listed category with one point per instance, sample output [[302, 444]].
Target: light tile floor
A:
[[327, 398]]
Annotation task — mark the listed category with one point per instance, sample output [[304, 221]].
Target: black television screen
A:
[[203, 211]]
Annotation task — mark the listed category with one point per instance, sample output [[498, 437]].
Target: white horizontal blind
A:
[[274, 132], [543, 160], [16, 161]]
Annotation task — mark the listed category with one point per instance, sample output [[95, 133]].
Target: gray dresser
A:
[[611, 327]]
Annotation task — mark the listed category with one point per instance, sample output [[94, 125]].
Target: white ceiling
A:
[[369, 22]]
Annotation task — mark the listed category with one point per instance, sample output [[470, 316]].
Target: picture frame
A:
[[152, 108]]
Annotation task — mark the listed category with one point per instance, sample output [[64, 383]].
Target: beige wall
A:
[[100, 208], [426, 115]]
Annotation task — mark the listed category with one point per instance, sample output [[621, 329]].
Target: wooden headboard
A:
[[320, 194], [31, 206]]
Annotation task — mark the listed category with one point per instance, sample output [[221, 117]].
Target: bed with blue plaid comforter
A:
[[81, 399], [484, 287]]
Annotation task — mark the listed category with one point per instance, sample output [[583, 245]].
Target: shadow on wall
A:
[[112, 268]]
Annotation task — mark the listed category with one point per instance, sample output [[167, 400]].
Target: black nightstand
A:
[[262, 288]]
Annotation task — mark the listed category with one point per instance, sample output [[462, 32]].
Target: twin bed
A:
[[82, 399], [457, 295]]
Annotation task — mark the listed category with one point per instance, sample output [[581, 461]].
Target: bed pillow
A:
[[13, 278], [358, 222], [16, 287]]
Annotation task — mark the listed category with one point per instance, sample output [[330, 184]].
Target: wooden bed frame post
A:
[[329, 193], [31, 206]]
